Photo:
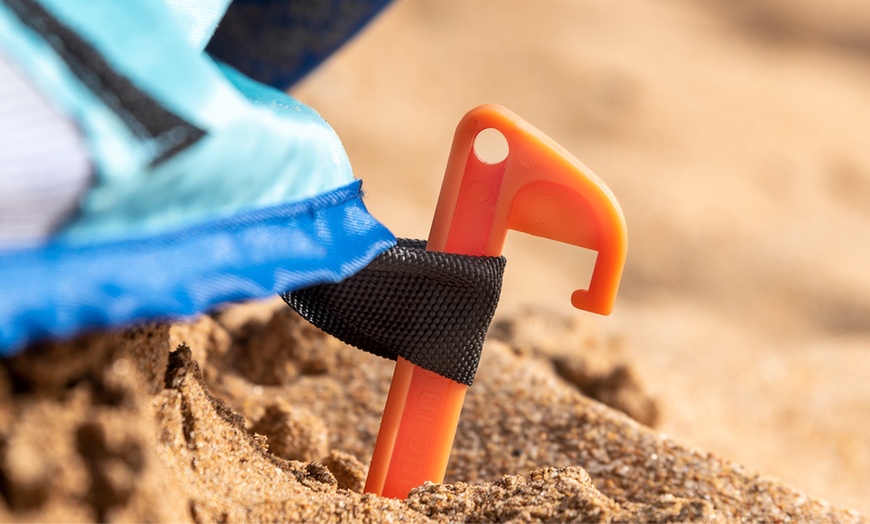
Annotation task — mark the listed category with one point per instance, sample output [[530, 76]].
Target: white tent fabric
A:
[[44, 166]]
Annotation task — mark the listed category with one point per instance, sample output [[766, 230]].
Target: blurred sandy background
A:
[[734, 134]]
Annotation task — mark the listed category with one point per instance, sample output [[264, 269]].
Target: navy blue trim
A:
[[61, 289], [277, 42]]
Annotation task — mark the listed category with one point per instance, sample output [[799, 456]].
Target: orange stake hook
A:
[[539, 188]]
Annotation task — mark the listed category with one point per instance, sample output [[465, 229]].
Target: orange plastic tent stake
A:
[[539, 188]]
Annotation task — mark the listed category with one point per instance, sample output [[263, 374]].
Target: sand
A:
[[729, 384], [164, 423]]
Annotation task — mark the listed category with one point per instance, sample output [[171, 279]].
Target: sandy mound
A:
[[230, 419]]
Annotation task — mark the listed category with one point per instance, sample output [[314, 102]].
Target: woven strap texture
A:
[[432, 309]]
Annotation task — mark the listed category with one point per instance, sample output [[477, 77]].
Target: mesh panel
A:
[[433, 309]]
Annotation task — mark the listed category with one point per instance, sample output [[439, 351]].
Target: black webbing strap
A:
[[433, 309]]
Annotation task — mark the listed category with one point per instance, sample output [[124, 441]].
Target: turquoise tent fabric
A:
[[208, 186]]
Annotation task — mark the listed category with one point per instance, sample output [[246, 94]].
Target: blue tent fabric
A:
[[58, 290], [209, 186]]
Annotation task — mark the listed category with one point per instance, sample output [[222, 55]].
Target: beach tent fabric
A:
[[203, 186]]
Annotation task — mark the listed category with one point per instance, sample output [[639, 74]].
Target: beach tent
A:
[[152, 167]]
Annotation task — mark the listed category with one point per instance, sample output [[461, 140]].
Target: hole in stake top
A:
[[491, 146]]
